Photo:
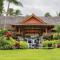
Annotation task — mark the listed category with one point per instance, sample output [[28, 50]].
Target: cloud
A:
[[39, 7]]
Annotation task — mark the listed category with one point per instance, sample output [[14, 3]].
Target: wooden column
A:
[[19, 30], [46, 30]]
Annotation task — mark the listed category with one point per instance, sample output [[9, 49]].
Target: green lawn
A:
[[30, 54]]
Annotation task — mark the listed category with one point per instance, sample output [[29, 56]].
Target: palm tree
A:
[[9, 2], [11, 11], [18, 12], [47, 14], [14, 2]]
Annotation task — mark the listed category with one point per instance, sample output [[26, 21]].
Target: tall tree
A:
[[47, 14], [9, 2], [14, 2], [58, 14], [18, 12], [1, 6], [11, 11]]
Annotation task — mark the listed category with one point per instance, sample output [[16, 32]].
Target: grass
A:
[[30, 54]]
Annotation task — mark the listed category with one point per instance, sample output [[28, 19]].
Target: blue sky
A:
[[38, 7]]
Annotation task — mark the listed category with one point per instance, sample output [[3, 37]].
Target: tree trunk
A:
[[6, 15], [8, 8]]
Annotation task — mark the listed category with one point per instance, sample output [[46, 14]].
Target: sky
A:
[[37, 7]]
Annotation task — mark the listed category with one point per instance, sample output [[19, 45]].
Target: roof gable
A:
[[33, 20]]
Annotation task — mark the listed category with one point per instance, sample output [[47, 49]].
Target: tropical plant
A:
[[57, 28], [23, 45], [14, 2], [50, 44], [8, 33], [1, 7], [11, 11], [6, 43], [2, 31], [9, 3], [47, 14], [18, 12], [17, 45]]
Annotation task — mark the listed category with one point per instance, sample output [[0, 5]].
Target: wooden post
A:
[[19, 30], [46, 30]]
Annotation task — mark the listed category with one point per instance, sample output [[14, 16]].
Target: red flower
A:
[[8, 34]]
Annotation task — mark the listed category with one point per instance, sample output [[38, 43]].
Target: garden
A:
[[10, 48], [7, 42]]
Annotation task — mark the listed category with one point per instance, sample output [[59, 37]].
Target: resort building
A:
[[30, 27]]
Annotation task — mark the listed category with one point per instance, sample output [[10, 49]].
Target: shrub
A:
[[17, 45], [8, 33], [58, 45], [23, 45], [50, 44], [56, 37], [6, 43], [45, 43], [2, 31]]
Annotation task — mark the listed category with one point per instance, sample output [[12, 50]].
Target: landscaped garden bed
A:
[[7, 42]]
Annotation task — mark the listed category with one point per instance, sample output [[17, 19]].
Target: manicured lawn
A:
[[30, 54]]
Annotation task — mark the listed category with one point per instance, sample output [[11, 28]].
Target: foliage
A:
[[17, 45], [11, 11], [2, 31], [56, 37], [58, 45], [6, 43], [18, 12], [8, 33], [58, 28], [47, 14], [1, 7], [9, 2], [50, 43], [13, 2], [23, 45]]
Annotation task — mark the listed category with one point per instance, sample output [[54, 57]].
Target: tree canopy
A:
[[47, 14]]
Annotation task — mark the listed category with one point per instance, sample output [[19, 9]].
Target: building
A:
[[30, 27]]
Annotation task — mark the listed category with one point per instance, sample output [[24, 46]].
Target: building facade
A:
[[31, 28]]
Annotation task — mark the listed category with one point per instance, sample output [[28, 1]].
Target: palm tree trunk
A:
[[8, 8], [6, 15]]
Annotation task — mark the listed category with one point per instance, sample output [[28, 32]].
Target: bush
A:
[[45, 43], [50, 44], [58, 45], [56, 37], [2, 31], [17, 45], [23, 45], [6, 43]]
